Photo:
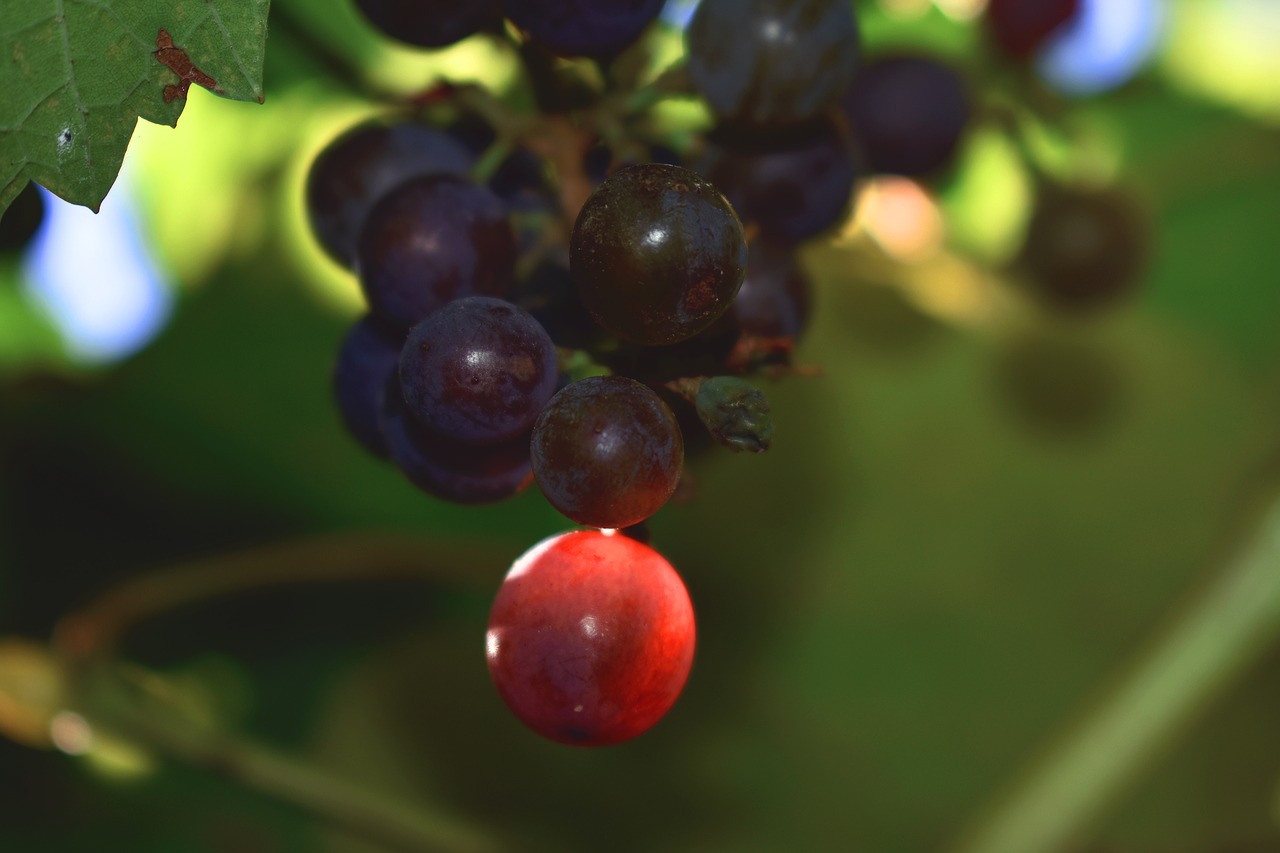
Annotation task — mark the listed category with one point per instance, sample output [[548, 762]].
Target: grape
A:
[[1083, 247], [1020, 27], [591, 638], [361, 166], [597, 28], [431, 241], [367, 358], [774, 299], [657, 254], [21, 221], [768, 62], [792, 189], [607, 452], [909, 114], [521, 182], [449, 470], [549, 295], [430, 23], [478, 370]]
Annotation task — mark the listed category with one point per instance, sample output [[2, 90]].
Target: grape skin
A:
[[1084, 247], [793, 190], [1020, 27], [591, 638], [362, 165], [431, 241], [772, 62], [452, 471], [607, 452], [430, 23], [479, 370], [775, 295], [657, 254], [366, 359], [909, 114], [594, 28]]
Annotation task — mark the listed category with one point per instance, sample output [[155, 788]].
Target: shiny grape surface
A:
[[430, 241], [591, 638], [772, 62], [478, 370], [598, 28], [362, 165], [657, 254], [607, 452], [908, 114]]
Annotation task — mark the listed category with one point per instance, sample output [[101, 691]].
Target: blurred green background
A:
[[932, 576]]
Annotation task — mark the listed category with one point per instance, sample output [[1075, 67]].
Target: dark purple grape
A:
[[452, 471], [549, 295], [20, 222], [657, 254], [430, 23], [607, 452], [367, 358], [1084, 247], [774, 299], [364, 164], [597, 28], [1020, 27], [908, 114], [793, 188], [430, 241], [478, 370], [771, 62], [521, 181]]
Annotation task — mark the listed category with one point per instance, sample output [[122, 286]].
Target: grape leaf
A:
[[77, 74]]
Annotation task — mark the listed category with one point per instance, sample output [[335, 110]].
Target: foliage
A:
[[82, 73]]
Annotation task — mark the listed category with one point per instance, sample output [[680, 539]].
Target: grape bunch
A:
[[567, 296]]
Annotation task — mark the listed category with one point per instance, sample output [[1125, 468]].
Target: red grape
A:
[[591, 638], [607, 451]]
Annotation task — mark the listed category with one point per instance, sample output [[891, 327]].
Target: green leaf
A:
[[77, 74]]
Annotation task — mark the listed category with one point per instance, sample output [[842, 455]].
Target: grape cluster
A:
[[569, 298]]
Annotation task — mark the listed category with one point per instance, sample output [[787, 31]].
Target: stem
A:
[[324, 796], [1224, 630], [671, 83], [94, 631], [490, 160]]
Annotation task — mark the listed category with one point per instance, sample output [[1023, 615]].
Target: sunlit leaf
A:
[[79, 74]]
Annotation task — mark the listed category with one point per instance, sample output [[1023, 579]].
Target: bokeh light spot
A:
[[94, 276], [1103, 47]]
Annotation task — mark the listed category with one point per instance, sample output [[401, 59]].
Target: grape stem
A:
[[94, 631], [120, 704], [1220, 633]]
